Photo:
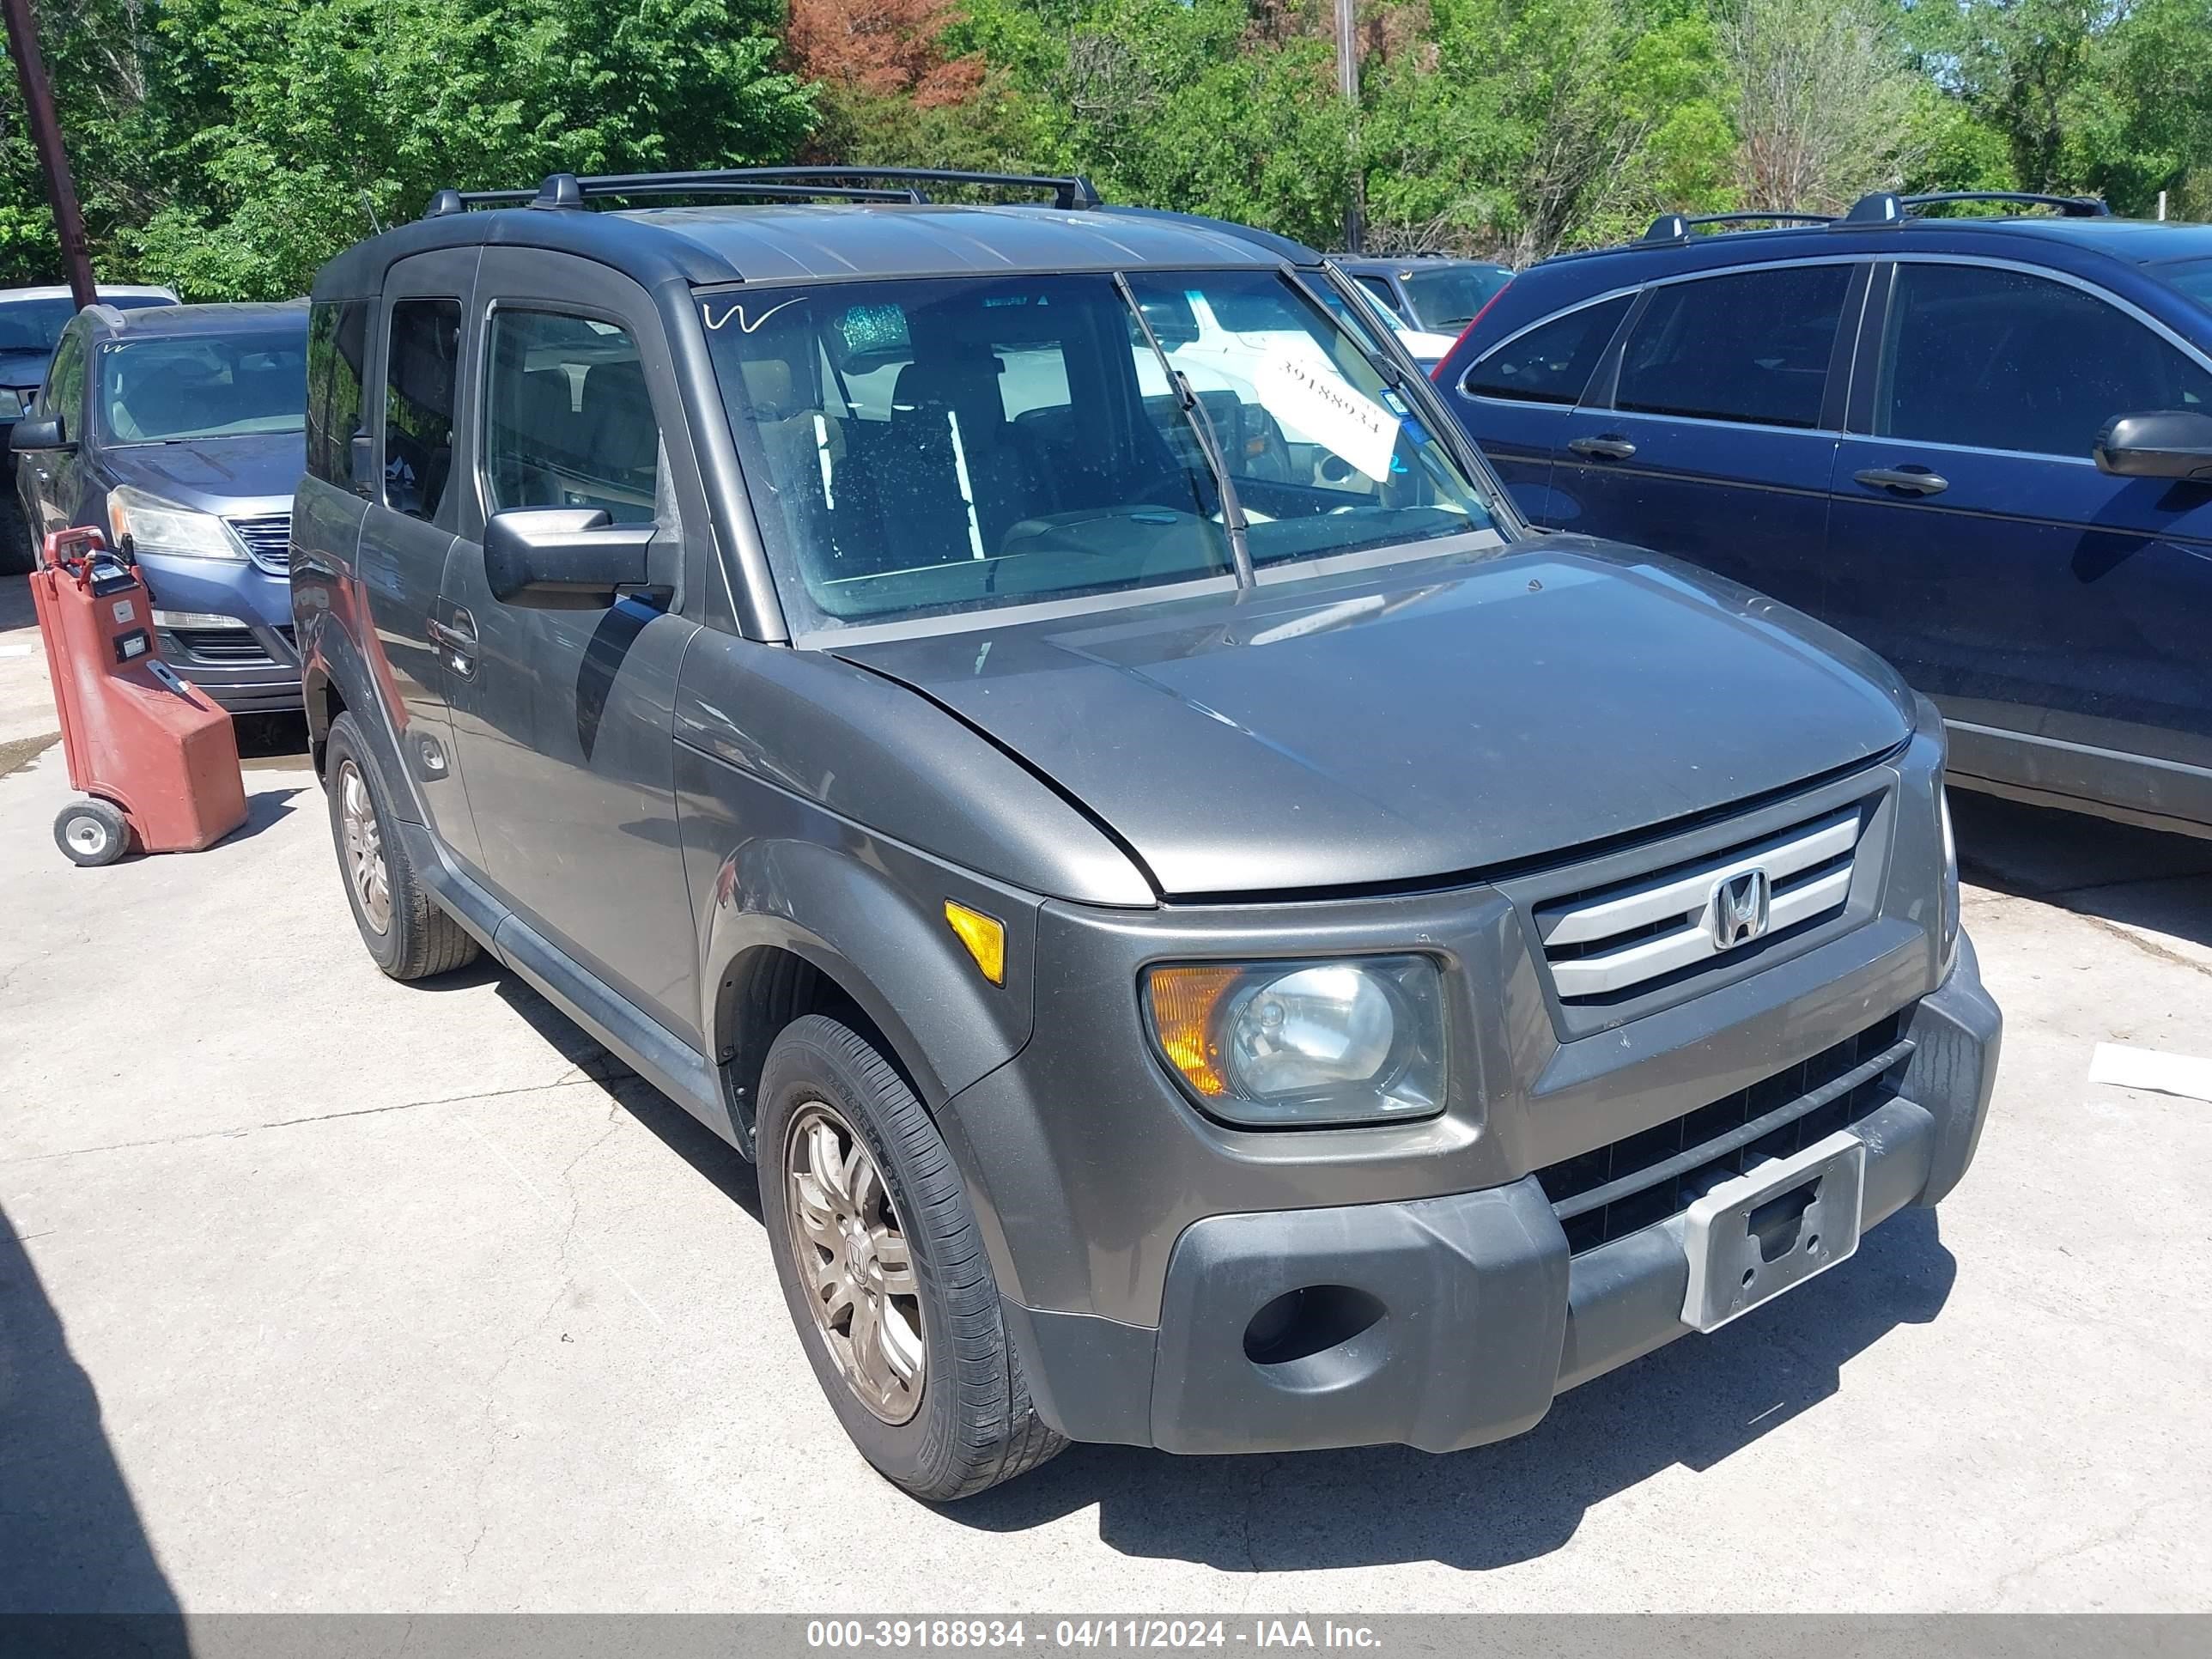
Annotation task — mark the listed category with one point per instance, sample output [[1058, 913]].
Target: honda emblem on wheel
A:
[[1741, 909]]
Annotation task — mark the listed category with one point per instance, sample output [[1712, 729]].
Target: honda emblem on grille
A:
[[1739, 909]]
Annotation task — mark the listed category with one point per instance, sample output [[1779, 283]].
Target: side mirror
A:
[[40, 432], [360, 461], [2171, 443], [564, 558]]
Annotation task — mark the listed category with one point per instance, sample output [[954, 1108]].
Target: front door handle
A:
[[1906, 480], [459, 640], [1608, 448]]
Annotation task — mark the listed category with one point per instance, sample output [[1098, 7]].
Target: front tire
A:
[[407, 934], [884, 1270]]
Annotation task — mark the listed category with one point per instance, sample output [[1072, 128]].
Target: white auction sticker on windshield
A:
[[1306, 391]]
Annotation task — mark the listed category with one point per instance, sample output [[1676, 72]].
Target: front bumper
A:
[[250, 670], [262, 687], [1466, 1314]]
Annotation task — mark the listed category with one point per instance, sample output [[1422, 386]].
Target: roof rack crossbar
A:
[[567, 189], [1676, 227], [1885, 207]]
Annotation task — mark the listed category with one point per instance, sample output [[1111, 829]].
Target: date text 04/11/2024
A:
[[939, 1633]]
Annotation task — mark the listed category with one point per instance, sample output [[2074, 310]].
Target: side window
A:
[[64, 392], [420, 365], [1381, 289], [1752, 346], [1552, 362], [338, 337], [568, 418], [2002, 360]]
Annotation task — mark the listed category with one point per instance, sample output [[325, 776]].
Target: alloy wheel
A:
[[364, 846], [854, 1262]]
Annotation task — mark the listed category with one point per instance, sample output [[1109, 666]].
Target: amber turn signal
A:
[[985, 938], [1184, 1003]]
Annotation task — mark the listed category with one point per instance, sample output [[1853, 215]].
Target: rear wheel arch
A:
[[325, 703]]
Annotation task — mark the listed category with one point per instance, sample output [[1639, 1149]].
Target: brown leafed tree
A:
[[882, 49]]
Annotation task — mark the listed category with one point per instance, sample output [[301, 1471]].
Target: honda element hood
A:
[[1431, 721]]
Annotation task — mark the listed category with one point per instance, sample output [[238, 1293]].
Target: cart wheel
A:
[[92, 832]]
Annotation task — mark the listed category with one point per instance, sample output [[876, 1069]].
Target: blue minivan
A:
[[180, 432], [1981, 446]]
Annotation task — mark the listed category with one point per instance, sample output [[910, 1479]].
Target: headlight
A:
[[140, 523], [1284, 1044], [11, 403], [1950, 915]]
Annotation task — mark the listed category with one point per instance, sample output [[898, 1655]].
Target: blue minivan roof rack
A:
[[811, 183], [1675, 227], [1887, 208]]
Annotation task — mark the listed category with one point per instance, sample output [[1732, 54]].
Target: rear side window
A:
[[1995, 359], [568, 418], [418, 405], [1752, 346], [1552, 361], [337, 350]]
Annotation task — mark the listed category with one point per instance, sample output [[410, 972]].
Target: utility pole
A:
[[46, 136], [1348, 84]]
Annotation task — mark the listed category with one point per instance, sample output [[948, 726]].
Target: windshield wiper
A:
[[1201, 425]]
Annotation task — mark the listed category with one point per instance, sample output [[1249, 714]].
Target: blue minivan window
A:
[[2192, 277], [1991, 358], [1751, 347], [1550, 364]]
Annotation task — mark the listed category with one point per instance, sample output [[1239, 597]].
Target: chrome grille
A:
[[219, 645], [1627, 937], [268, 538]]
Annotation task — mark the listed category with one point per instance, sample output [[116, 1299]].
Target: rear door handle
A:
[[1907, 480], [1608, 448]]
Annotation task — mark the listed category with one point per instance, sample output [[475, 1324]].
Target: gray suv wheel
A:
[[884, 1271]]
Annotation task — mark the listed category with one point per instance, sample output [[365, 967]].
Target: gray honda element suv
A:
[[1027, 720]]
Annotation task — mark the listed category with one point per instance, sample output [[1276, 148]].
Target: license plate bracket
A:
[[1761, 1233]]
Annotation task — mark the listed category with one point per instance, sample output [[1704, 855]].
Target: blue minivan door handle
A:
[[1904, 480], [1609, 447]]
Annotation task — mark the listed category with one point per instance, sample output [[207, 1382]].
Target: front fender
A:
[[768, 870]]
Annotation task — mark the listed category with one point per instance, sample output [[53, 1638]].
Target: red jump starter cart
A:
[[158, 759]]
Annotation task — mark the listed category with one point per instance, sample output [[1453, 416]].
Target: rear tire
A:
[[408, 936], [880, 1257], [91, 833]]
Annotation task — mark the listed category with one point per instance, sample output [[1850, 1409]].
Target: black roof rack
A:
[[1887, 208], [1675, 227], [568, 190]]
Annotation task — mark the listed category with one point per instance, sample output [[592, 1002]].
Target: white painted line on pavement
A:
[[2124, 1067]]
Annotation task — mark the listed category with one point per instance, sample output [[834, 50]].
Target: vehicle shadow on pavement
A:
[[1694, 1403], [712, 1157], [2112, 873], [70, 1537]]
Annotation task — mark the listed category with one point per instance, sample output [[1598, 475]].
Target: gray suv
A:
[[1218, 936]]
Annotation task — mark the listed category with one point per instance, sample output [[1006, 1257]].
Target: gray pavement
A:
[[322, 1292]]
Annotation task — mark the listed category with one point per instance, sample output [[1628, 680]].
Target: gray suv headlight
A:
[[1298, 1044]]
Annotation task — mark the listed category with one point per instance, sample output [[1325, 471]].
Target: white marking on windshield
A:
[[821, 454], [967, 492], [737, 310]]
